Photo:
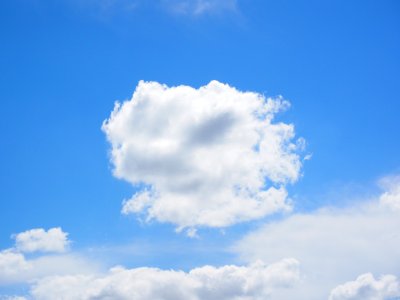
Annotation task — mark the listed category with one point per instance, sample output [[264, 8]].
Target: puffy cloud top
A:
[[391, 197], [256, 282], [207, 157], [366, 287], [53, 240]]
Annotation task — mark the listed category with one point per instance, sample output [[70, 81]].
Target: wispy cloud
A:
[[200, 7], [191, 8], [17, 267]]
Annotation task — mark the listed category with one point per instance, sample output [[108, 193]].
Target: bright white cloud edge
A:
[[256, 281], [366, 287], [211, 156]]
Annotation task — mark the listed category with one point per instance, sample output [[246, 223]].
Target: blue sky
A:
[[65, 63]]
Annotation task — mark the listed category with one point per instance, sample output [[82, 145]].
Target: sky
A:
[[200, 149]]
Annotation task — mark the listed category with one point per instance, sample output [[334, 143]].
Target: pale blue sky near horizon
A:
[[64, 64]]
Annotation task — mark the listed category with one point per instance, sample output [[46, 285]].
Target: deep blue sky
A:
[[63, 64]]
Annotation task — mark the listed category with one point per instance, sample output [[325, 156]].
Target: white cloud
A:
[[391, 198], [12, 266], [256, 281], [69, 276], [53, 240], [200, 7], [366, 287], [209, 157], [332, 245], [16, 268]]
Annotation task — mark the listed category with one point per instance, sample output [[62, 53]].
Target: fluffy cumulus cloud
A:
[[366, 287], [332, 245], [256, 281], [16, 267], [211, 156], [53, 240]]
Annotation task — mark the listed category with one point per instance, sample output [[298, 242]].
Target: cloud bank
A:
[[332, 245], [211, 156], [256, 281], [72, 277]]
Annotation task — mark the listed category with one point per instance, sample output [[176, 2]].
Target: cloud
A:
[[70, 276], [199, 7], [211, 156], [256, 281], [12, 266], [53, 240], [390, 198], [365, 287], [15, 267], [189, 8], [332, 245]]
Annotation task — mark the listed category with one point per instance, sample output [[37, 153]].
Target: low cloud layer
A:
[[16, 267], [331, 244], [256, 282], [366, 287], [74, 277], [211, 156]]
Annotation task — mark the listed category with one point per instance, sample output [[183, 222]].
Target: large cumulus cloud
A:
[[211, 156]]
